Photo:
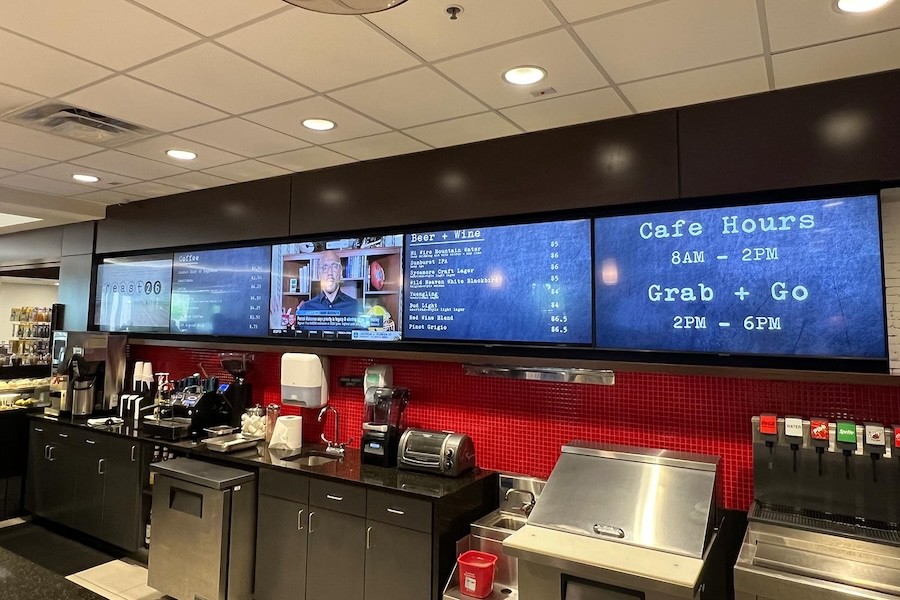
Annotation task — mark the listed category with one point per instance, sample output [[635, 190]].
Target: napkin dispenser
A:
[[304, 380]]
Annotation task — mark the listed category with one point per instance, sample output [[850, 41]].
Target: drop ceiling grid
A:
[[781, 44]]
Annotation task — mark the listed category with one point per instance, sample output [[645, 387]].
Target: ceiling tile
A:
[[5, 173], [247, 170], [195, 181], [150, 189], [389, 100], [321, 51], [128, 164], [307, 159], [142, 104], [30, 141], [155, 149], [673, 36], [40, 69], [702, 85], [379, 146], [858, 56], [576, 10], [568, 110], [210, 17], [289, 119], [806, 22], [109, 32], [108, 197], [221, 79], [64, 171], [425, 28], [17, 161], [568, 69], [474, 128], [34, 183], [12, 99], [243, 137]]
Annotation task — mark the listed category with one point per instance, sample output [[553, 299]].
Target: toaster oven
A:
[[439, 452]]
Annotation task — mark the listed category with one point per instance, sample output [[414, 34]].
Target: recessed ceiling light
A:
[[524, 75], [181, 154], [318, 124], [860, 6], [85, 178]]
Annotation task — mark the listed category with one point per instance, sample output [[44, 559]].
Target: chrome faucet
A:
[[526, 506], [333, 446]]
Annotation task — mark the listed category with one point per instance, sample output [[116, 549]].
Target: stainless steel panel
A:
[[653, 456], [202, 473], [186, 556], [586, 376], [637, 498]]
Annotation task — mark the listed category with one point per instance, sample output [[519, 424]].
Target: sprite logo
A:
[[846, 432]]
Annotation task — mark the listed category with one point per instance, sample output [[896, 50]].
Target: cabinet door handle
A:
[[335, 498], [368, 538], [47, 451], [101, 466], [63, 435], [39, 430], [50, 449], [133, 453], [300, 520], [395, 511], [310, 521], [91, 442]]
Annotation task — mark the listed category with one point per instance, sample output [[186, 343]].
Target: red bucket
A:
[[476, 573]]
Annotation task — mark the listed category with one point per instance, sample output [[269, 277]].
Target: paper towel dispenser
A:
[[304, 380]]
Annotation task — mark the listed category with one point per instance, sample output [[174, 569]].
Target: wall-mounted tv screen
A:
[[512, 283], [787, 279], [133, 294], [345, 289], [221, 292]]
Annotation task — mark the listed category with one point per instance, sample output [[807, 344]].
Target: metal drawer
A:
[[403, 511], [288, 486], [341, 497]]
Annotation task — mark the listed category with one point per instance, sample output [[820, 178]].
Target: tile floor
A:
[[117, 580]]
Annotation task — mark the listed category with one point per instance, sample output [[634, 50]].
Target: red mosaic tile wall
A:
[[519, 426]]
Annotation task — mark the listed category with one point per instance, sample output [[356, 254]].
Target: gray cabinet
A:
[[398, 563], [86, 480], [335, 565], [281, 536]]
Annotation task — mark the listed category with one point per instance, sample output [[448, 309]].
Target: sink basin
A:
[[498, 525], [314, 460]]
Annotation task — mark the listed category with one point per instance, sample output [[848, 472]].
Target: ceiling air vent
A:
[[78, 124]]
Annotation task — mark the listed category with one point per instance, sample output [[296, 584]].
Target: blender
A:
[[382, 425]]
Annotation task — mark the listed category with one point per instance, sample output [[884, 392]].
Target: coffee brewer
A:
[[238, 393], [91, 373], [382, 425]]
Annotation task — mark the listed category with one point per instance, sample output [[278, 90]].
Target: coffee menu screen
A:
[[133, 294], [221, 292], [516, 283], [791, 279]]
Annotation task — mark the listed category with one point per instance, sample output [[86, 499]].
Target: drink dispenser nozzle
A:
[[846, 441], [874, 445], [768, 429], [819, 438], [793, 433]]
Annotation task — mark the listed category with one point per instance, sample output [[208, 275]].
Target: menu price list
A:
[[798, 278], [515, 283], [221, 292]]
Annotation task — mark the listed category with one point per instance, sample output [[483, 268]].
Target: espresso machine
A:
[[382, 425], [238, 392]]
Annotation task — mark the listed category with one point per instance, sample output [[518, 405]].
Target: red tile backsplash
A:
[[519, 426]]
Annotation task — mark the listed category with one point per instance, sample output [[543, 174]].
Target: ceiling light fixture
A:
[[346, 7], [181, 154], [318, 124], [859, 6], [85, 178], [524, 75]]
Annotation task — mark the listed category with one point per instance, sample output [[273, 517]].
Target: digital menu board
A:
[[221, 292], [133, 294], [512, 283], [345, 289], [788, 279]]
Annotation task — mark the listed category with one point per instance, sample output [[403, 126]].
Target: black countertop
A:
[[349, 468]]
